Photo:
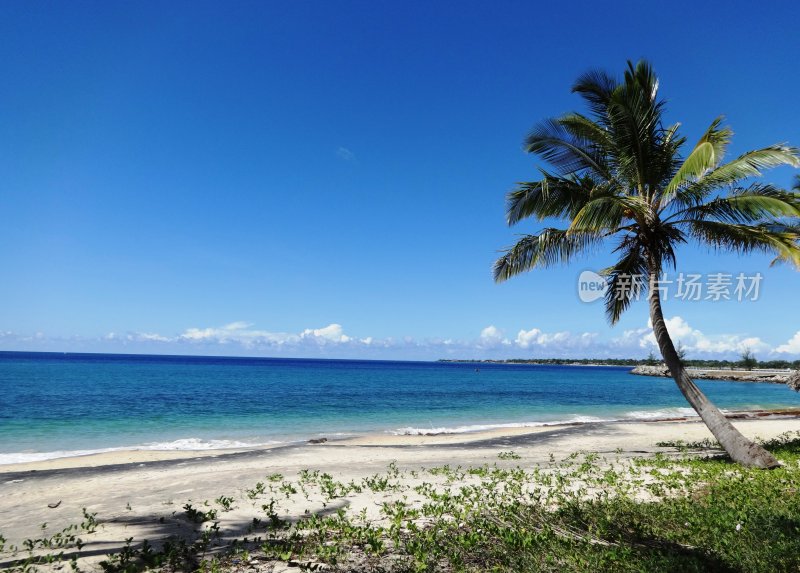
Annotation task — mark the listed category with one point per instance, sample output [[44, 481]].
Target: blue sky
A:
[[328, 178]]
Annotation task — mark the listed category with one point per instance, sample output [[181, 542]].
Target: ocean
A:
[[55, 405]]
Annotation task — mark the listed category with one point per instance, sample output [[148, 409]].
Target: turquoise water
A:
[[63, 404]]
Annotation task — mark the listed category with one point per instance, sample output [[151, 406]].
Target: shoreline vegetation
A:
[[599, 496]]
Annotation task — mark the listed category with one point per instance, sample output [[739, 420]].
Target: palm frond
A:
[[565, 150], [665, 160], [642, 77], [548, 248], [626, 278], [706, 155], [662, 238], [750, 164], [596, 87], [607, 213], [582, 127], [553, 196], [729, 174], [754, 204], [783, 241], [787, 229], [634, 114]]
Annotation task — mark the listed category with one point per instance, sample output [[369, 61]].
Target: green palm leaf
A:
[[596, 87], [754, 204], [568, 152], [589, 131], [706, 155], [626, 279], [782, 240], [746, 166], [607, 213], [553, 196], [548, 248]]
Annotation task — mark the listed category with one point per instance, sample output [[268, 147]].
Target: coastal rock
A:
[[659, 370], [770, 376]]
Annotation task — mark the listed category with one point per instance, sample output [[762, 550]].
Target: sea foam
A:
[[411, 431], [184, 444], [661, 414]]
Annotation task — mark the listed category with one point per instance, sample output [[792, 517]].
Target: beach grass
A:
[[687, 509]]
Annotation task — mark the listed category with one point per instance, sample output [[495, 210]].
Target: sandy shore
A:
[[141, 494]]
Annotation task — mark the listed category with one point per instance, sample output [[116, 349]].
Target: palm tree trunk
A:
[[739, 448]]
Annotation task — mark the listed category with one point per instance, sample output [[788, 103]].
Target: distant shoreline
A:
[[729, 374], [515, 362], [723, 366], [769, 376], [542, 362]]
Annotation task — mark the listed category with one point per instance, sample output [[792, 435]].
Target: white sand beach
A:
[[141, 494]]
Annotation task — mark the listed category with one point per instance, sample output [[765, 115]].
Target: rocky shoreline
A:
[[770, 376]]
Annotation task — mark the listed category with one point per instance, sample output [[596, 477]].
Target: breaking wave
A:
[[410, 431], [184, 444]]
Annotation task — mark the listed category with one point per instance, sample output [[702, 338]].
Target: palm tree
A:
[[618, 177]]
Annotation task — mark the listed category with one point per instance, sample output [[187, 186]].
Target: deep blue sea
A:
[[55, 405]]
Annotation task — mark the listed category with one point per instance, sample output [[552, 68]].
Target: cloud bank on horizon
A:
[[241, 338]]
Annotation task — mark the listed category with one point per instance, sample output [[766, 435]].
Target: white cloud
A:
[[137, 337], [526, 338], [695, 341], [237, 332], [491, 332], [492, 337], [153, 337], [561, 344], [332, 341], [792, 346], [242, 333], [535, 337], [331, 333], [633, 339], [345, 154], [679, 328]]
